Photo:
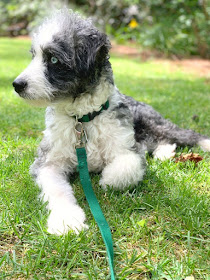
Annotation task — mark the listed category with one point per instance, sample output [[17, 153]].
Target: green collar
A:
[[90, 116]]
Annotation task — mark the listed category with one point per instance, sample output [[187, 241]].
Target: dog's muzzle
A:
[[19, 85]]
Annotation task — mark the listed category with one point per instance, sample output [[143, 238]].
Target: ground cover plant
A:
[[160, 229]]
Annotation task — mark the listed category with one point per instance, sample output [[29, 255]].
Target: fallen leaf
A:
[[192, 157]]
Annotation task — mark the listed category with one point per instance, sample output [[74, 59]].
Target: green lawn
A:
[[160, 229]]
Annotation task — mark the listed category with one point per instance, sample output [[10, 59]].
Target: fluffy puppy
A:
[[71, 75]]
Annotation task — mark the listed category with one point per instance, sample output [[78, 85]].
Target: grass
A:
[[160, 229]]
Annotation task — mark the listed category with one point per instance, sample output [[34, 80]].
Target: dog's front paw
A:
[[126, 170], [63, 219]]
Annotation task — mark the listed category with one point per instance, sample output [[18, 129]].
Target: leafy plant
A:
[[179, 27]]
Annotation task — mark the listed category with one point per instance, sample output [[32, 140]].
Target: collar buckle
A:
[[81, 136]]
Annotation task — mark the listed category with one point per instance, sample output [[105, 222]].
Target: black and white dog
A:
[[71, 75]]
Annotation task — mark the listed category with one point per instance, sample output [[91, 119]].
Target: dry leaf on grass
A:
[[192, 157]]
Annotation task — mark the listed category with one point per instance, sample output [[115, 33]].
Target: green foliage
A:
[[16, 16], [160, 229], [179, 27], [174, 27], [19, 17]]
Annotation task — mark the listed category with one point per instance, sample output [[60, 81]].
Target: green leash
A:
[[90, 195]]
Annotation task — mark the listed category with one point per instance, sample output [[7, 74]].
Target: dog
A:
[[71, 75]]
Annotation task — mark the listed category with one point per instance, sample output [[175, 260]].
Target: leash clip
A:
[[81, 136]]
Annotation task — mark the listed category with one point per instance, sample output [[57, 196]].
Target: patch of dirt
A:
[[135, 52], [22, 37], [197, 66]]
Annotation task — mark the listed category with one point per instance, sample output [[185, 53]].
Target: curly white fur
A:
[[108, 149]]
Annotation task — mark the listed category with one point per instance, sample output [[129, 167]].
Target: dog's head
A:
[[69, 56]]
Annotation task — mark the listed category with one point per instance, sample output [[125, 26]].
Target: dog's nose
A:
[[19, 85]]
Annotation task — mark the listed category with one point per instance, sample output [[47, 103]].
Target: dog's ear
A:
[[92, 51]]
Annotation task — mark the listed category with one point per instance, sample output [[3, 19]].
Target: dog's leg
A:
[[152, 129], [125, 170], [65, 214]]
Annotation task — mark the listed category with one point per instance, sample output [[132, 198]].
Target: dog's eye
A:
[[54, 60]]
